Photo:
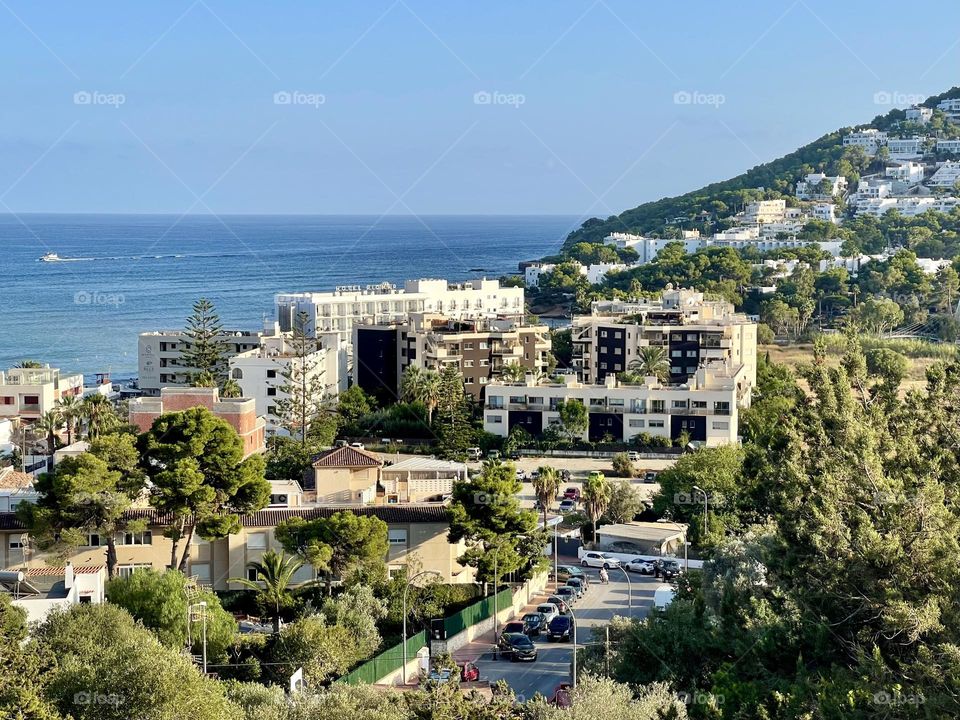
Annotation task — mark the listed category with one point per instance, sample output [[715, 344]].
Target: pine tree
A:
[[454, 426], [302, 392], [204, 347]]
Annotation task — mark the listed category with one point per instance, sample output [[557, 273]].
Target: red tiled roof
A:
[[15, 480], [348, 457]]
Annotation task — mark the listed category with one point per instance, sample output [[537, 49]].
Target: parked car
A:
[[572, 493], [633, 456], [561, 696], [577, 584], [650, 476], [441, 676], [521, 475], [493, 455], [595, 475], [567, 594], [667, 569], [638, 565], [599, 559], [549, 611], [663, 596], [566, 571], [565, 475], [474, 453], [559, 602], [533, 623], [559, 628], [469, 672], [358, 446], [517, 646], [514, 626], [567, 506]]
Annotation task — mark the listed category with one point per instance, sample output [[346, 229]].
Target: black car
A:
[[560, 628], [533, 623], [517, 646], [577, 583]]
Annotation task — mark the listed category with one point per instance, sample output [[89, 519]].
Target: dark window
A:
[[271, 373]]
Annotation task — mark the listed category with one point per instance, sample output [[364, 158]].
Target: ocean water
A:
[[126, 274]]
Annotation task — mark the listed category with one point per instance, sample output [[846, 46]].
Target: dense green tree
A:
[[287, 459], [22, 670], [421, 386], [573, 418], [159, 601], [199, 475], [204, 348], [274, 574], [455, 430], [486, 513], [352, 405], [624, 503], [546, 485]]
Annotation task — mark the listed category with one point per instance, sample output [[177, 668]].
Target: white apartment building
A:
[[739, 238], [826, 212], [160, 356], [648, 248], [765, 211], [346, 306], [595, 274], [950, 108], [260, 373], [706, 407], [691, 331], [948, 146], [28, 393], [919, 114], [907, 206], [906, 147], [946, 175], [906, 171], [870, 140], [812, 186]]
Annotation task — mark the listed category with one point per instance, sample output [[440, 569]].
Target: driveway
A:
[[553, 664]]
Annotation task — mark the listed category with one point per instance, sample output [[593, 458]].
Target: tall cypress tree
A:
[[303, 388], [205, 349]]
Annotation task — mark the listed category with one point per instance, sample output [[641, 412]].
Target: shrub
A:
[[622, 466]]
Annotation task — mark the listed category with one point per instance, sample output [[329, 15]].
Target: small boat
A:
[[50, 257]]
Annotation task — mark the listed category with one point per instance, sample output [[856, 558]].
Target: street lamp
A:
[[573, 634], [629, 590], [699, 489], [404, 641]]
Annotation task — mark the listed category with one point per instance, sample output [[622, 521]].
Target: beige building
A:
[[417, 532], [419, 479], [28, 393], [347, 475]]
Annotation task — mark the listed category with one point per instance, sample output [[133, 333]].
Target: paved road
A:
[[553, 665]]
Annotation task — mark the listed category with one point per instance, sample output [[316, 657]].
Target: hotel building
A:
[[28, 393]]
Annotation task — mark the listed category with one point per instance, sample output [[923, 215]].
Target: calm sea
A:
[[125, 274]]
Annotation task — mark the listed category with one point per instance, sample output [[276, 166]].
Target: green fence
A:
[[481, 610], [386, 662]]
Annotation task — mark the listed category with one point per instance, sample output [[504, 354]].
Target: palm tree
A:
[[422, 386], [546, 485], [230, 389], [28, 364], [50, 423], [274, 575], [596, 498], [70, 410], [652, 362], [513, 372], [100, 415]]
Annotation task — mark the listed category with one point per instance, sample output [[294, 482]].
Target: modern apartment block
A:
[[478, 348], [692, 332], [240, 413], [28, 393], [348, 306], [417, 535], [261, 373], [705, 407], [160, 356]]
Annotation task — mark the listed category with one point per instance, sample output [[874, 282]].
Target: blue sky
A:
[[406, 106]]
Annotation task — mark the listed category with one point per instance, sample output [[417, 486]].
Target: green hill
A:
[[708, 208]]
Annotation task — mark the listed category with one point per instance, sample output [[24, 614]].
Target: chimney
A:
[[68, 575]]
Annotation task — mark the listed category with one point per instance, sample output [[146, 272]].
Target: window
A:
[[468, 363], [676, 369], [691, 337], [518, 399], [692, 353], [617, 351], [676, 353], [603, 366], [495, 419], [202, 571], [271, 373], [237, 374], [603, 349], [257, 541], [398, 536], [655, 424], [495, 402], [656, 406], [603, 333], [483, 345], [252, 574], [483, 379], [271, 391], [31, 399], [721, 408], [637, 423], [691, 370], [272, 410], [721, 425], [144, 538], [484, 362], [93, 540], [15, 543], [700, 404], [679, 404], [468, 381], [618, 334], [126, 571], [468, 346]]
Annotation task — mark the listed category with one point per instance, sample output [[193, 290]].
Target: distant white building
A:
[[906, 147], [810, 188], [765, 211], [28, 393], [919, 114], [949, 146], [950, 108], [595, 273], [946, 175], [738, 238], [826, 212], [870, 140], [907, 171], [533, 271]]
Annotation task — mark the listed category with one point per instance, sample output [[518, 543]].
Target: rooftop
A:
[[11, 479], [348, 457], [427, 463], [644, 531]]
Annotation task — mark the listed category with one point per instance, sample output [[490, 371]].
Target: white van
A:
[[474, 454], [663, 596]]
